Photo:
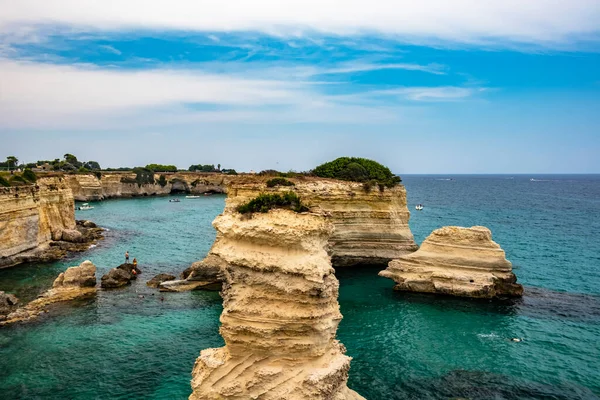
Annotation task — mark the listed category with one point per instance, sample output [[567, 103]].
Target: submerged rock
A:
[[119, 276], [75, 283], [456, 261], [280, 313], [7, 303], [160, 278]]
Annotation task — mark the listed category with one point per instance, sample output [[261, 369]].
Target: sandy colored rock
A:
[[32, 216], [72, 235], [456, 261], [160, 278], [280, 313], [75, 283]]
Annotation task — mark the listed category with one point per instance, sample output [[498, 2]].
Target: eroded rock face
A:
[[75, 283], [160, 278], [119, 276], [456, 261], [280, 313], [7, 303]]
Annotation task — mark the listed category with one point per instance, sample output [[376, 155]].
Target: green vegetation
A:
[[4, 182], [358, 169], [161, 168], [229, 171], [29, 175], [143, 176], [279, 182], [17, 180], [265, 202], [98, 174], [83, 170], [204, 168], [162, 181]]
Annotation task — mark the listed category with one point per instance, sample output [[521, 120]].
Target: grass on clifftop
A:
[[279, 182], [265, 202], [358, 169]]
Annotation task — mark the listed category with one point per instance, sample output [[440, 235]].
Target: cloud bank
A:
[[541, 22]]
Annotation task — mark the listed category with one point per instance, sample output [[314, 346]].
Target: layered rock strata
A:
[[32, 217], [280, 313], [371, 226], [106, 185], [75, 283], [456, 261]]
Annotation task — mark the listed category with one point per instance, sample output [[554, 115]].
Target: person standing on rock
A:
[[127, 257]]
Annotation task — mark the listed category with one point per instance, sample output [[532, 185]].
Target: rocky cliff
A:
[[89, 187], [456, 261], [280, 312], [371, 226], [32, 216]]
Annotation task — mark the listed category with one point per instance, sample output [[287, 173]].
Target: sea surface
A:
[[137, 343]]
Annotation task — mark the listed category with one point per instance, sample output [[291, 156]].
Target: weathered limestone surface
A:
[[88, 187], [371, 227], [32, 216], [280, 313], [75, 283], [456, 261]]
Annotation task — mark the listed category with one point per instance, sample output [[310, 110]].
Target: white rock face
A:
[[456, 261], [280, 313]]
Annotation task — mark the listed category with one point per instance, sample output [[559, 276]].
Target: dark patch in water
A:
[[545, 303]]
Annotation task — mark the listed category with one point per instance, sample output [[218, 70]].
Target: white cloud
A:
[[541, 22], [111, 49], [51, 96]]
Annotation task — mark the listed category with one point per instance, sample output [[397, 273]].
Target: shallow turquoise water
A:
[[122, 345]]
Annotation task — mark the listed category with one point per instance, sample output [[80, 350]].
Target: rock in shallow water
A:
[[456, 261], [120, 276], [160, 278], [74, 283], [280, 313]]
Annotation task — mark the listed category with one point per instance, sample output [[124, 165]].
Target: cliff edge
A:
[[456, 261], [280, 312]]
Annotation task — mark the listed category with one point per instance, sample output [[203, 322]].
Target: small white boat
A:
[[192, 197], [85, 206], [419, 207], [174, 201]]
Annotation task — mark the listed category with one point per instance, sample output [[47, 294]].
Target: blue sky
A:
[[424, 87]]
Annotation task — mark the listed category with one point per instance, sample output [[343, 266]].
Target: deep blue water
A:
[[406, 346]]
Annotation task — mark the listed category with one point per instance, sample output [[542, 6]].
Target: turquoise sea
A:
[[135, 343]]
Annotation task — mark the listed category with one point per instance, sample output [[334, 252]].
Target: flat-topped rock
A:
[[456, 261]]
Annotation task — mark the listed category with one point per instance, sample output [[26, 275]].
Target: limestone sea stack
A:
[[280, 312], [75, 283], [456, 261]]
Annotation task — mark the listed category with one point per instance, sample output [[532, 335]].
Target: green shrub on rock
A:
[[265, 202], [4, 182], [29, 175], [17, 180], [279, 182], [357, 169]]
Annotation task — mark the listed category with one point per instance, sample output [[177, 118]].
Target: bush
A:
[[98, 174], [17, 180], [83, 170], [162, 181], [161, 168], [29, 175], [4, 182], [279, 182], [265, 202], [229, 171], [357, 169], [143, 176]]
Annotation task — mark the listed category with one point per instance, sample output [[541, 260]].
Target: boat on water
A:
[[85, 206], [419, 207], [174, 201], [192, 197]]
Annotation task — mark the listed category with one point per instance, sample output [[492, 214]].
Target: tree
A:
[[12, 162], [92, 165], [219, 167]]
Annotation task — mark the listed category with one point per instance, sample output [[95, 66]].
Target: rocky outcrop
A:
[[106, 185], [371, 226], [7, 303], [120, 276], [160, 278], [75, 283], [31, 217], [280, 313], [456, 261]]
